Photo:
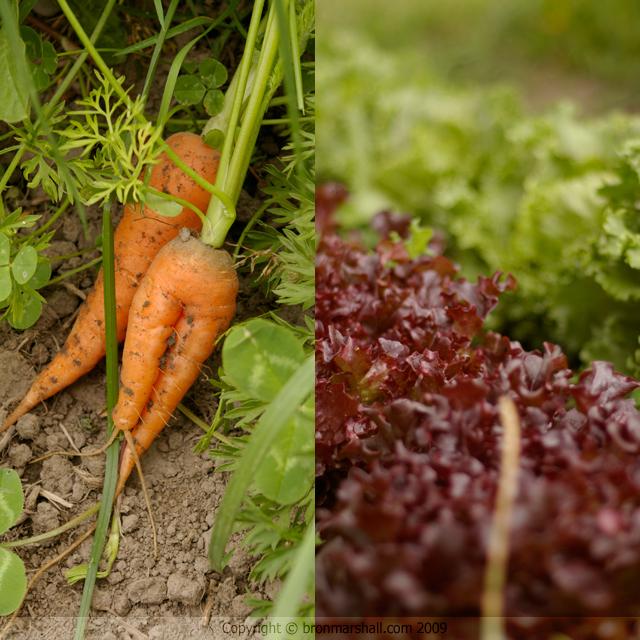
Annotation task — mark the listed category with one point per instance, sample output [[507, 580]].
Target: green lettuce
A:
[[551, 198]]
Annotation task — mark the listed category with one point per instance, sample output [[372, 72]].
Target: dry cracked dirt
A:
[[158, 598]]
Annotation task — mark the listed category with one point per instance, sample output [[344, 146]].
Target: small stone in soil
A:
[[57, 475], [53, 442], [122, 605], [63, 302], [78, 492], [95, 465], [175, 440], [45, 519], [19, 454], [115, 577], [101, 597], [202, 565], [147, 590], [169, 470], [130, 523], [185, 590], [28, 426]]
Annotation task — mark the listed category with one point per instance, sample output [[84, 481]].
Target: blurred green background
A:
[[511, 126], [588, 50]]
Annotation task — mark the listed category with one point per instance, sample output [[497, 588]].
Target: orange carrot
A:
[[137, 240], [185, 302]]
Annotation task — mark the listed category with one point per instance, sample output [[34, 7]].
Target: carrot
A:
[[185, 302], [137, 240]]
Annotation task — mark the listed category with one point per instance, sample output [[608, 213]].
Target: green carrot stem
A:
[[61, 209], [71, 255], [70, 273], [233, 165], [203, 425]]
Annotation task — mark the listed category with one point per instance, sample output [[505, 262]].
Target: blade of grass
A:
[[295, 54], [181, 28], [25, 9], [273, 420], [176, 65], [158, 48], [111, 473], [194, 12], [159, 12]]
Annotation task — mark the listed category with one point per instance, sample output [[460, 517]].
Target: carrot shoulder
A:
[[137, 240], [186, 301]]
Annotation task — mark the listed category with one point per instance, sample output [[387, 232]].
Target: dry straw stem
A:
[[492, 622]]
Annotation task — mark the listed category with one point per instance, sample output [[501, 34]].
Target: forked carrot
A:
[[137, 240], [185, 302]]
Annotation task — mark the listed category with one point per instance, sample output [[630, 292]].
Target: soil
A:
[[143, 596]]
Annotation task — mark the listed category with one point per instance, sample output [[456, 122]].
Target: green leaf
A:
[[273, 563], [190, 66], [163, 206], [215, 139], [39, 75], [25, 9], [298, 580], [5, 282], [285, 474], [5, 249], [76, 574], [266, 431], [13, 582], [189, 90], [213, 102], [31, 308], [14, 221], [212, 73], [25, 264], [259, 357], [15, 91], [11, 499], [418, 241], [40, 277], [32, 42], [42, 242], [49, 57], [13, 579]]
